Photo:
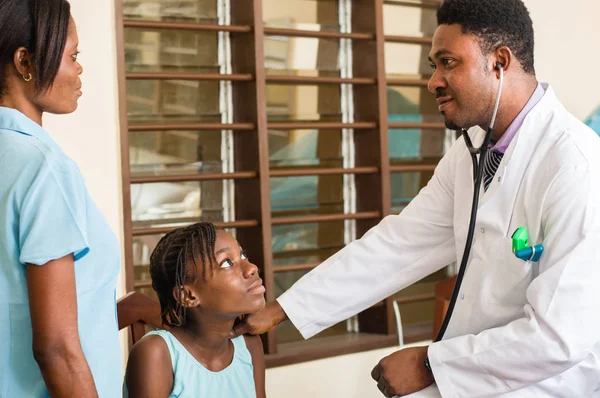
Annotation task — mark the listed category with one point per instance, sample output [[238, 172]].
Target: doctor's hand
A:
[[402, 372], [260, 322]]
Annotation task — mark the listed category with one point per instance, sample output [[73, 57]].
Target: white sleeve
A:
[[397, 252], [561, 323]]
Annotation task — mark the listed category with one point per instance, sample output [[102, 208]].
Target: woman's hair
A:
[[42, 27], [173, 264]]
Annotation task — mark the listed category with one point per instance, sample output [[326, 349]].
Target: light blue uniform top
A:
[[192, 380], [47, 213]]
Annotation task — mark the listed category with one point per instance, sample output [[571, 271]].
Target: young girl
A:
[[204, 282]]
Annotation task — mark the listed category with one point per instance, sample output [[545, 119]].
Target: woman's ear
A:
[[23, 62], [186, 296]]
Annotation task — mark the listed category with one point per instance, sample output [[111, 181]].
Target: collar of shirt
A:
[[516, 124], [12, 119]]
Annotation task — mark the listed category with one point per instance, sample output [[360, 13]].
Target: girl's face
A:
[[232, 286]]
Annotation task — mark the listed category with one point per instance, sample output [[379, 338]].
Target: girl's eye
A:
[[226, 263], [244, 255], [75, 56], [447, 61]]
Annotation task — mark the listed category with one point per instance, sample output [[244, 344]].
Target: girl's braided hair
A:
[[173, 264]]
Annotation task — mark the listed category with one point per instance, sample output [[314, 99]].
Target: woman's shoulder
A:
[[35, 154]]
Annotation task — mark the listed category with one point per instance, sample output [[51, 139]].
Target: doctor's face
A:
[[463, 79]]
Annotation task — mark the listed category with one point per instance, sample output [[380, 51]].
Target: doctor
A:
[[519, 328]]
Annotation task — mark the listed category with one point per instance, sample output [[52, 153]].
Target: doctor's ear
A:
[[502, 58]]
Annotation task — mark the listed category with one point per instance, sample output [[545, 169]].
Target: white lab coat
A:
[[518, 329]]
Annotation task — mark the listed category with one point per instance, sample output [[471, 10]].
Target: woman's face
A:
[[63, 95]]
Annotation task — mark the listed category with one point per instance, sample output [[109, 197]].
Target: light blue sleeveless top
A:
[[191, 379]]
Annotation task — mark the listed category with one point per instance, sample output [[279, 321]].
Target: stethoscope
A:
[[477, 178]]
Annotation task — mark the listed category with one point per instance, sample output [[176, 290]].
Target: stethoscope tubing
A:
[[478, 167]]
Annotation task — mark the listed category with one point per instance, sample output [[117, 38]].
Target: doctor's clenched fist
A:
[[260, 322], [403, 372]]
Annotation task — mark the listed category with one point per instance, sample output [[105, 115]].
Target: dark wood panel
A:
[[132, 23], [308, 171], [189, 126], [188, 76], [164, 230], [321, 34], [240, 175]]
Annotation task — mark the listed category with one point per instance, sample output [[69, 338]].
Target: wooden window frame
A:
[[372, 169]]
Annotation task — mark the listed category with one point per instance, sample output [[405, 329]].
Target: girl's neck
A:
[[207, 340]]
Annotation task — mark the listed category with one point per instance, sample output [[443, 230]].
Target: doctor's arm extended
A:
[[397, 252], [561, 320]]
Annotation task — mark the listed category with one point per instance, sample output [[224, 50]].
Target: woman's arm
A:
[[56, 345], [255, 347], [149, 370]]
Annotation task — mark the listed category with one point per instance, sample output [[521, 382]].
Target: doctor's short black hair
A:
[[495, 23]]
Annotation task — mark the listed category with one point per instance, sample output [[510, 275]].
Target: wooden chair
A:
[[443, 294], [136, 310]]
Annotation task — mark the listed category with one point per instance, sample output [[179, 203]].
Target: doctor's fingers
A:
[[376, 372], [383, 387]]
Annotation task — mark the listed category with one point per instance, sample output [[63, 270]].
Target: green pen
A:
[[520, 239]]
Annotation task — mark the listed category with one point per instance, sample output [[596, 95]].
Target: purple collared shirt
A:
[[516, 124]]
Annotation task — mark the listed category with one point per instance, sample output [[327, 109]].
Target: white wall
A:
[[91, 134], [567, 38], [566, 42]]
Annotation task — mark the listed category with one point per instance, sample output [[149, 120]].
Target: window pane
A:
[[305, 244], [303, 102], [178, 10], [409, 18], [167, 203], [160, 50], [305, 148], [302, 56], [173, 100], [404, 187], [307, 195], [161, 153], [407, 60], [301, 14]]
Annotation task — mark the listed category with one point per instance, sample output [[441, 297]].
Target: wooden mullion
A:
[[218, 224], [418, 4], [238, 77], [308, 171], [253, 198], [407, 82], [321, 34], [372, 146], [189, 126], [408, 39], [295, 267], [125, 166], [240, 175], [320, 125], [412, 168], [365, 215], [140, 24], [291, 79]]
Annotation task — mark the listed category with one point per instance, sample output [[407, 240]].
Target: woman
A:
[[59, 260]]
